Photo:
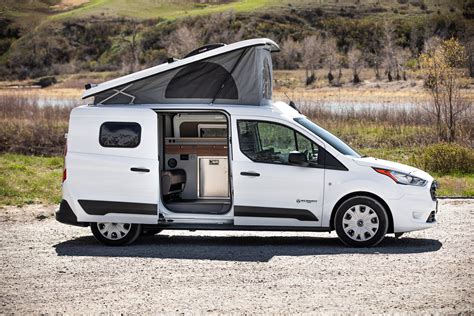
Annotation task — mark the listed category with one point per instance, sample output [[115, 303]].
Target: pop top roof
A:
[[238, 73]]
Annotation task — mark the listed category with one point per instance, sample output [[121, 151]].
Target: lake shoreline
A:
[[342, 95], [288, 84]]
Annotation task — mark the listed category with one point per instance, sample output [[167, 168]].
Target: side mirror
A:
[[297, 158]]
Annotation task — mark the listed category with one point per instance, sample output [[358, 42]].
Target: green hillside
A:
[[52, 37], [31, 11], [149, 9]]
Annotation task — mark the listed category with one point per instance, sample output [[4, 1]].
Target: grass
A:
[[30, 179], [456, 185]]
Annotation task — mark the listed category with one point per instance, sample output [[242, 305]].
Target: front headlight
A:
[[402, 178]]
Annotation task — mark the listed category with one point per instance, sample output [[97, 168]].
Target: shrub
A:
[[28, 128], [46, 81], [446, 158], [32, 137]]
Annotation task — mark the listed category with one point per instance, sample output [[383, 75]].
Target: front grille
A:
[[434, 187], [432, 217]]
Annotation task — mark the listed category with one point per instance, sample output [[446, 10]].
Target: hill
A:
[[149, 9], [32, 12], [50, 37]]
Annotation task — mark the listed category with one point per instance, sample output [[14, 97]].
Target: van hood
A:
[[390, 165]]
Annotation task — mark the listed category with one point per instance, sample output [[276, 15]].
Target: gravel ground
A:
[[47, 267]]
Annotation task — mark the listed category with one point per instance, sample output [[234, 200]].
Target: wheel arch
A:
[[363, 194]]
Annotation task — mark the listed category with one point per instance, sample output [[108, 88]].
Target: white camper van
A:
[[198, 144]]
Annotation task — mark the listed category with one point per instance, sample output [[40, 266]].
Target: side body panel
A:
[[410, 206], [282, 195]]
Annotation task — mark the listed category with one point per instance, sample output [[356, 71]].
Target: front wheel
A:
[[361, 222], [116, 234]]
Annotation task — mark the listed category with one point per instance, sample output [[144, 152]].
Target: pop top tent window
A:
[[239, 73]]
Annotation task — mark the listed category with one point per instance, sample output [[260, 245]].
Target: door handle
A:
[[250, 174], [139, 169]]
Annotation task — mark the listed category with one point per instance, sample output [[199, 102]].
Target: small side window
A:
[[120, 134]]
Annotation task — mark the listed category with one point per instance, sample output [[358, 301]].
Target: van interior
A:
[[195, 169]]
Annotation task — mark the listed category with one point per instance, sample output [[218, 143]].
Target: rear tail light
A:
[[433, 188]]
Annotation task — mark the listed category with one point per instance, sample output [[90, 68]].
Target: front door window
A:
[[269, 142]]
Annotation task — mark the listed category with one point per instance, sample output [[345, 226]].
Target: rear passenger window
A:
[[120, 134]]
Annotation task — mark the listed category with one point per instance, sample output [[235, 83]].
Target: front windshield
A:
[[329, 138]]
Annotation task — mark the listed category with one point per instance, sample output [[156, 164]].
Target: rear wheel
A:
[[116, 234], [361, 222]]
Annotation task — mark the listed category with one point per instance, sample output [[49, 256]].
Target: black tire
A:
[[151, 231], [134, 231], [349, 212]]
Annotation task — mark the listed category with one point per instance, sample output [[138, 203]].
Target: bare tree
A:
[[468, 41], [333, 59], [311, 53], [131, 47], [431, 73], [440, 66], [356, 63], [181, 41], [389, 50], [289, 55], [377, 61], [401, 56], [470, 57]]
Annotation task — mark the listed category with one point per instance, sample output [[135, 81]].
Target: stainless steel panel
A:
[[213, 177]]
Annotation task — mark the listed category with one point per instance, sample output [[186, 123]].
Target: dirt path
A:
[[47, 267]]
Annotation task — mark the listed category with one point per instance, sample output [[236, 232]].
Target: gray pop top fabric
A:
[[242, 76]]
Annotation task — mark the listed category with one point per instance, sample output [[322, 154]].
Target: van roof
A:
[[164, 83], [275, 109]]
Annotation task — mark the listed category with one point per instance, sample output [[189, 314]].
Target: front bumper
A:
[[416, 210]]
